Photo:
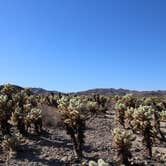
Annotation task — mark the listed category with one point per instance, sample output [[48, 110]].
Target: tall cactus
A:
[[123, 142], [143, 122], [73, 121]]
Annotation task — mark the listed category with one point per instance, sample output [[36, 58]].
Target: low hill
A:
[[101, 91], [121, 92]]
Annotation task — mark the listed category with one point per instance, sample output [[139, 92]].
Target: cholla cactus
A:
[[9, 89], [158, 105], [34, 117], [100, 162], [92, 163], [77, 103], [10, 144], [102, 102], [163, 116], [129, 117], [129, 100], [142, 115], [3, 103], [25, 112], [122, 105], [5, 113], [121, 108], [148, 101], [70, 109], [49, 99], [92, 107], [17, 119], [123, 142], [63, 103], [142, 122]]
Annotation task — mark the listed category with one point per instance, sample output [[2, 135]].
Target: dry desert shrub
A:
[[51, 117]]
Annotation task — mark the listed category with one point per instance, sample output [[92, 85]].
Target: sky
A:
[[75, 45]]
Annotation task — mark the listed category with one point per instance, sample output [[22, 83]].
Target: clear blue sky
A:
[[73, 45]]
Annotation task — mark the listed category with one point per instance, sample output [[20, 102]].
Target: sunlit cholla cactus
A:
[[143, 122], [49, 99], [123, 142], [77, 103], [121, 108], [63, 103], [100, 162], [102, 102], [5, 112], [129, 100], [26, 112], [5, 101], [11, 144], [19, 114], [129, 117], [32, 100], [3, 104], [9, 89], [142, 116], [117, 97], [158, 105], [92, 107], [163, 116], [129, 113], [122, 105], [8, 103], [148, 101], [34, 117], [73, 121]]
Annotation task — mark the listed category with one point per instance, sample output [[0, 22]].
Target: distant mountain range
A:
[[121, 92], [101, 91]]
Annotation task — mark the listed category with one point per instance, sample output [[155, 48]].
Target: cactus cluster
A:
[[26, 112], [11, 144], [143, 115], [18, 110], [49, 99], [74, 110]]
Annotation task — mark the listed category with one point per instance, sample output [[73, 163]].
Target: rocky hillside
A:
[[109, 92], [101, 91], [122, 92]]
